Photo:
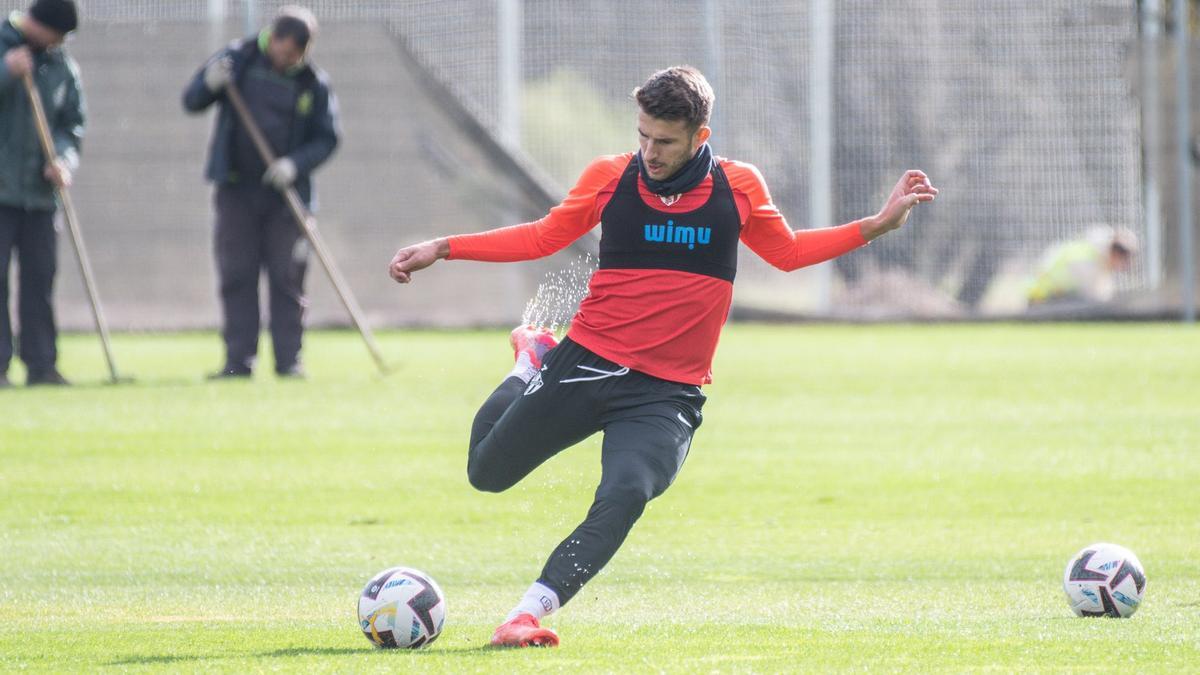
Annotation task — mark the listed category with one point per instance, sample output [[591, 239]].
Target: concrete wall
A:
[[403, 173]]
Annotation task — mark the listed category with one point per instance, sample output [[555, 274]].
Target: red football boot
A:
[[534, 341], [523, 630]]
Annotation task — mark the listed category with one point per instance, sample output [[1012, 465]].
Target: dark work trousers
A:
[[31, 235], [256, 231], [648, 425]]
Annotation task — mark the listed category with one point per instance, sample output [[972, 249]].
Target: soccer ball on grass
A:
[[1104, 580], [401, 608]]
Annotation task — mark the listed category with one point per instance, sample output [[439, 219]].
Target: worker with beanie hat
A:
[[31, 44]]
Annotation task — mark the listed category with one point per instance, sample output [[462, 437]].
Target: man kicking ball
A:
[[642, 343]]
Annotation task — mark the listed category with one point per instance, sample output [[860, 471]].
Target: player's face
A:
[[284, 53], [667, 144], [40, 36]]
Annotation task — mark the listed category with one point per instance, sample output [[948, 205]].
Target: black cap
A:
[[57, 14]]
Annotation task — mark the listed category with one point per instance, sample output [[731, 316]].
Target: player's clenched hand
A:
[[913, 188], [417, 257]]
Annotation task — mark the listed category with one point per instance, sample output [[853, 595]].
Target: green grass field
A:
[[874, 498]]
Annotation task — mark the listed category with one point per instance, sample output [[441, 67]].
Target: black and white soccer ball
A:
[[1104, 580], [401, 608]]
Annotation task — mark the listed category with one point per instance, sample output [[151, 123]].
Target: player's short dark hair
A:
[[295, 23], [677, 93]]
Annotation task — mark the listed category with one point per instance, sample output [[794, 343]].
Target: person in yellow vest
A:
[[1084, 270]]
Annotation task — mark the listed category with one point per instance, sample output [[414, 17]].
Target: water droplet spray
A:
[[559, 294]]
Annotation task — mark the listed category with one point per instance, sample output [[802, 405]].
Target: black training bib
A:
[[637, 236]]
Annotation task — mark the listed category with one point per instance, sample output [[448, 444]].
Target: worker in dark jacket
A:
[[290, 100], [31, 43]]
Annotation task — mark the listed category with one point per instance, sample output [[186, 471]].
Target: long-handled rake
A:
[[308, 225], [64, 197]]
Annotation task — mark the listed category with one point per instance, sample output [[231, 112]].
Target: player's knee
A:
[[627, 498], [634, 484], [486, 480]]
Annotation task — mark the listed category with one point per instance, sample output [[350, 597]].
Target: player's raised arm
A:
[[565, 223], [767, 233], [417, 257], [913, 188]]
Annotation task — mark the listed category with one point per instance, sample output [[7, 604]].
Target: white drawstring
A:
[[602, 374]]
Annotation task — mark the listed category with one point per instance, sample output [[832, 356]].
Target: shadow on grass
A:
[[126, 381], [150, 660], [424, 653], [307, 651]]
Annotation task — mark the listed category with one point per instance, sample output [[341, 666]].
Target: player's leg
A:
[[287, 260], [528, 419], [531, 416], [237, 244], [38, 263], [529, 348], [641, 457], [643, 452], [530, 345]]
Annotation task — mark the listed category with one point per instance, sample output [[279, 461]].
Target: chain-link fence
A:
[[1022, 112]]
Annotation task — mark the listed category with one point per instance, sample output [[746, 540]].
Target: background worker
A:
[[32, 43], [1084, 270], [290, 99]]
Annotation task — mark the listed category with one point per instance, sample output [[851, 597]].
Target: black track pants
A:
[[255, 231], [648, 425], [31, 234]]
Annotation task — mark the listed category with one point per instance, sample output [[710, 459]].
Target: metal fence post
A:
[[1183, 125], [251, 17], [1151, 33], [820, 136]]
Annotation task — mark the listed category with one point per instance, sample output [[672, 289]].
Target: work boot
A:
[[231, 373], [48, 377]]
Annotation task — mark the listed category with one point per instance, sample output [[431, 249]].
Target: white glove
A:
[[218, 73], [58, 173], [281, 174]]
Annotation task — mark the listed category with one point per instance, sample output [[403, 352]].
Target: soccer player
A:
[[291, 101], [641, 345], [31, 43]]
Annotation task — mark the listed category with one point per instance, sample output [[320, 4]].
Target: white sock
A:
[[539, 601], [524, 368]]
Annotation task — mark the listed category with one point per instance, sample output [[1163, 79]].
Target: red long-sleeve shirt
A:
[[665, 323]]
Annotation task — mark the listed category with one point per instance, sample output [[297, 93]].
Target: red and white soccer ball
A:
[[1104, 580], [401, 608]]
